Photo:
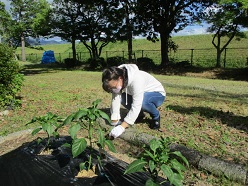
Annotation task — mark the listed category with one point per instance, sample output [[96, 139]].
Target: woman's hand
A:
[[119, 129]]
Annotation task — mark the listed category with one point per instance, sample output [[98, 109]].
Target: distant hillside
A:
[[184, 42], [37, 42]]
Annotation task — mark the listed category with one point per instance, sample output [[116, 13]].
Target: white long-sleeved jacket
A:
[[139, 82]]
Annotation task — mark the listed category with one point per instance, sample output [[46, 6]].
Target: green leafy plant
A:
[[50, 123], [11, 80], [84, 119], [157, 158], [88, 119]]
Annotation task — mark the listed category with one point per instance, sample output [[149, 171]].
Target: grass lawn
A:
[[209, 115]]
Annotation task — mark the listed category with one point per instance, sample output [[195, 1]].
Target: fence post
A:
[[192, 55], [142, 53]]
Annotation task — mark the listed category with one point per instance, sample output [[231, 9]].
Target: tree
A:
[[101, 24], [226, 20], [4, 20], [162, 17], [66, 20], [26, 14], [128, 29]]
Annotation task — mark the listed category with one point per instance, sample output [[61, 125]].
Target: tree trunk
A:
[[218, 59], [164, 49], [74, 53], [129, 36], [94, 50], [23, 48], [218, 65]]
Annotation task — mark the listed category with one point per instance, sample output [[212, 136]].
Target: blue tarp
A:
[[48, 57]]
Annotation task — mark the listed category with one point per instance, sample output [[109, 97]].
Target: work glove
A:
[[116, 123], [117, 131]]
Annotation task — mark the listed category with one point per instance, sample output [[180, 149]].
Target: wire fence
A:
[[230, 57]]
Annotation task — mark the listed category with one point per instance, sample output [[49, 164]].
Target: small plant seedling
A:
[[87, 119], [83, 119], [157, 158], [49, 124]]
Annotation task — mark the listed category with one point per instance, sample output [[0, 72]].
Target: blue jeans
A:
[[151, 101]]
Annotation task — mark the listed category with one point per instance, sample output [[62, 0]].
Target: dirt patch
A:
[[15, 140]]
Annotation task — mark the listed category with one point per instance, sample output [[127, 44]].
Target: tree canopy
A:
[[159, 18], [226, 20]]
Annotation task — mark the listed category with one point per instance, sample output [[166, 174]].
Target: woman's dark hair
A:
[[113, 73]]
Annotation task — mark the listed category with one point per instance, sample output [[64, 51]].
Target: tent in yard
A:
[[48, 57]]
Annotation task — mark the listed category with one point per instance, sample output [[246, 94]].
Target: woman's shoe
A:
[[155, 124]]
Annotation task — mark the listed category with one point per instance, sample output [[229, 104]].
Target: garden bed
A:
[[30, 167]]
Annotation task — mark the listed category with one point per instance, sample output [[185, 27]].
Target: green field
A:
[[196, 49]]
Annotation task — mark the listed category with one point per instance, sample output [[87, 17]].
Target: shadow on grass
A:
[[32, 69], [232, 120], [238, 74], [180, 69]]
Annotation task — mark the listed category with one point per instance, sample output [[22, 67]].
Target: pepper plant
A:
[[157, 158], [85, 119], [88, 119], [49, 123]]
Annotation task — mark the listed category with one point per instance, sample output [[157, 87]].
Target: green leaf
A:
[[164, 158], [101, 138], [44, 126], [135, 166], [167, 171], [78, 146], [104, 116], [82, 166], [68, 119], [92, 117], [73, 130], [177, 180], [68, 145], [150, 182], [177, 166], [154, 144], [50, 130], [35, 131], [152, 165], [149, 154], [96, 102], [32, 121], [179, 154], [78, 115], [110, 145], [56, 134]]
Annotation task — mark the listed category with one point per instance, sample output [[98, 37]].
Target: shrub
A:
[[70, 62], [96, 64], [145, 63], [11, 80], [116, 61]]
